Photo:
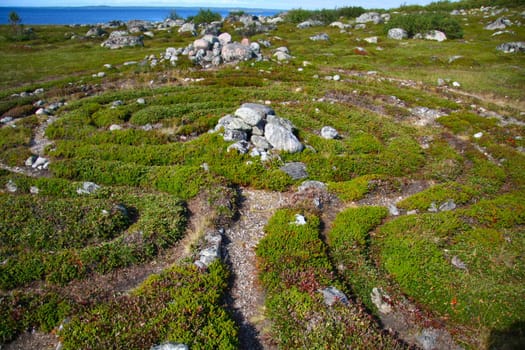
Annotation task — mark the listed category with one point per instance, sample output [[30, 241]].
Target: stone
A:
[[240, 146], [88, 188], [149, 34], [119, 39], [10, 186], [360, 51], [170, 346], [101, 74], [371, 40], [41, 111], [6, 120], [235, 135], [433, 208], [187, 27], [266, 110], [381, 300], [392, 209], [251, 116], [511, 47], [311, 184], [260, 142], [201, 44], [225, 39], [478, 135], [456, 84], [329, 133], [339, 25], [282, 49], [282, 56], [280, 121], [232, 123], [500, 23], [456, 262], [369, 17], [337, 77], [114, 127], [117, 103], [397, 34], [299, 220], [236, 52], [296, 170], [333, 295], [141, 101], [29, 161], [320, 37], [281, 138], [447, 205], [309, 23], [95, 32], [435, 35], [428, 338], [425, 115], [34, 190], [39, 162], [360, 26]]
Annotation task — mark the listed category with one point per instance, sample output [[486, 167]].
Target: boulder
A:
[[225, 39], [320, 37], [312, 185], [187, 28], [10, 186], [236, 52], [282, 56], [371, 40], [266, 110], [500, 23], [251, 116], [240, 146], [309, 23], [170, 346], [96, 32], [333, 295], [229, 122], [435, 35], [296, 170], [281, 138], [397, 34], [369, 17], [339, 25], [201, 44], [88, 188], [235, 135], [381, 300], [260, 142], [518, 46], [120, 39], [327, 132]]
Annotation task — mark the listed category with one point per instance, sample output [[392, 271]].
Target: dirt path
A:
[[247, 297]]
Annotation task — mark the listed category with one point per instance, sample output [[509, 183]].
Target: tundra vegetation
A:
[[453, 250]]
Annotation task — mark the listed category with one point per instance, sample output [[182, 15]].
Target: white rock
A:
[[34, 190], [478, 135], [40, 161], [327, 132], [115, 127], [141, 101], [299, 220]]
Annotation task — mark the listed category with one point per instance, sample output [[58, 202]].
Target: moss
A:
[[437, 194]]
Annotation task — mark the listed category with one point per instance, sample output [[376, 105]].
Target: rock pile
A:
[[121, 38], [256, 127]]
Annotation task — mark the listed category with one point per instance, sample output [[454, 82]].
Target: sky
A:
[[273, 4]]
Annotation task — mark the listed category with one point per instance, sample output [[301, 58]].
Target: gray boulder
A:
[[500, 23], [282, 56], [518, 46], [236, 52], [187, 28], [240, 146], [88, 188], [231, 123], [435, 35], [120, 39], [320, 37], [309, 23], [251, 116], [327, 132], [281, 138], [235, 135], [260, 142], [296, 170], [225, 38], [266, 110], [397, 34], [369, 17], [201, 44], [96, 32], [333, 295], [170, 346]]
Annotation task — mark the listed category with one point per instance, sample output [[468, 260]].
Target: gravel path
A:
[[247, 298]]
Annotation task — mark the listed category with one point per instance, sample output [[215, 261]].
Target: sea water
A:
[[104, 14]]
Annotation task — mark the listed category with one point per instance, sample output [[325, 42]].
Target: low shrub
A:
[[438, 194], [183, 304], [205, 16]]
